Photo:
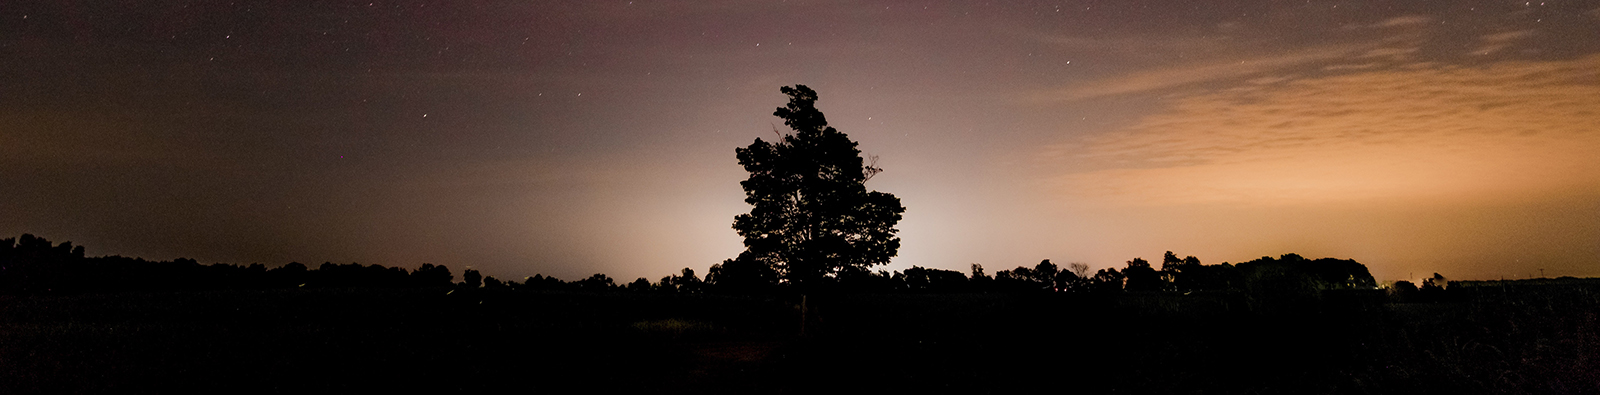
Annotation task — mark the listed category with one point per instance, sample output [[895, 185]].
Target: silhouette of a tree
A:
[[935, 280], [596, 282], [1141, 277], [1108, 280], [743, 275], [979, 280], [812, 213], [430, 275], [685, 282]]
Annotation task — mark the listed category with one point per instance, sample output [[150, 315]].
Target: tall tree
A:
[[812, 214]]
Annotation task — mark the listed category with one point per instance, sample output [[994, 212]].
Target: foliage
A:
[[812, 215], [471, 279], [1141, 277], [1107, 281], [935, 280], [743, 275], [30, 265], [685, 282]]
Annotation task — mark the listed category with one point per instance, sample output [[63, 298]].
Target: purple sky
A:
[[569, 138]]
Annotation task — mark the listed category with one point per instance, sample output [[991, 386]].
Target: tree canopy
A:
[[812, 214]]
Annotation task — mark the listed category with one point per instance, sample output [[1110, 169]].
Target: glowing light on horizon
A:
[[1434, 134]]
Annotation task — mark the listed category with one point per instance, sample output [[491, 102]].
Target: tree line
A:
[[33, 265], [1288, 272]]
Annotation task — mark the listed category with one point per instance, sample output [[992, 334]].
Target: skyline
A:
[[572, 138]]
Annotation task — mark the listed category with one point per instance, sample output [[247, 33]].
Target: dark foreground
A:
[[1528, 340]]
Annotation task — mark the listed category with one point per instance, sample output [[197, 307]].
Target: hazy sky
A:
[[569, 138]]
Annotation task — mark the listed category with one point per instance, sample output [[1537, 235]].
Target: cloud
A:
[[1199, 73], [1497, 41], [1510, 130], [1400, 21], [1405, 21], [1338, 67], [1391, 53], [1129, 44], [1507, 36]]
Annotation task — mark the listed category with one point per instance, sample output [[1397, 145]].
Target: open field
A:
[[1524, 340]]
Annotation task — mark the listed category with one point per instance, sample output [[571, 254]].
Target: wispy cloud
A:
[[1198, 73], [1405, 21], [1390, 53], [1399, 21], [1491, 43], [1338, 67], [1509, 130]]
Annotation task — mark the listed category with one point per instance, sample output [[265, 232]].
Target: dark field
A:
[[1527, 339]]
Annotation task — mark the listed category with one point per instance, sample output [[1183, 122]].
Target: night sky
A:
[[569, 138]]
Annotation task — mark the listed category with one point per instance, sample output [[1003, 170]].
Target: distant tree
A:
[[1108, 280], [1045, 273], [1199, 277], [859, 279], [687, 281], [430, 275], [977, 272], [1021, 273], [1077, 278], [746, 274], [493, 283], [293, 274], [1019, 279], [1181, 275], [596, 282], [1292, 281], [1437, 281], [30, 264], [1170, 271], [471, 279], [979, 280], [1403, 291], [1170, 262], [640, 285], [1079, 269], [812, 214], [1045, 276], [934, 280], [1141, 277], [1433, 289], [1324, 273], [541, 283]]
